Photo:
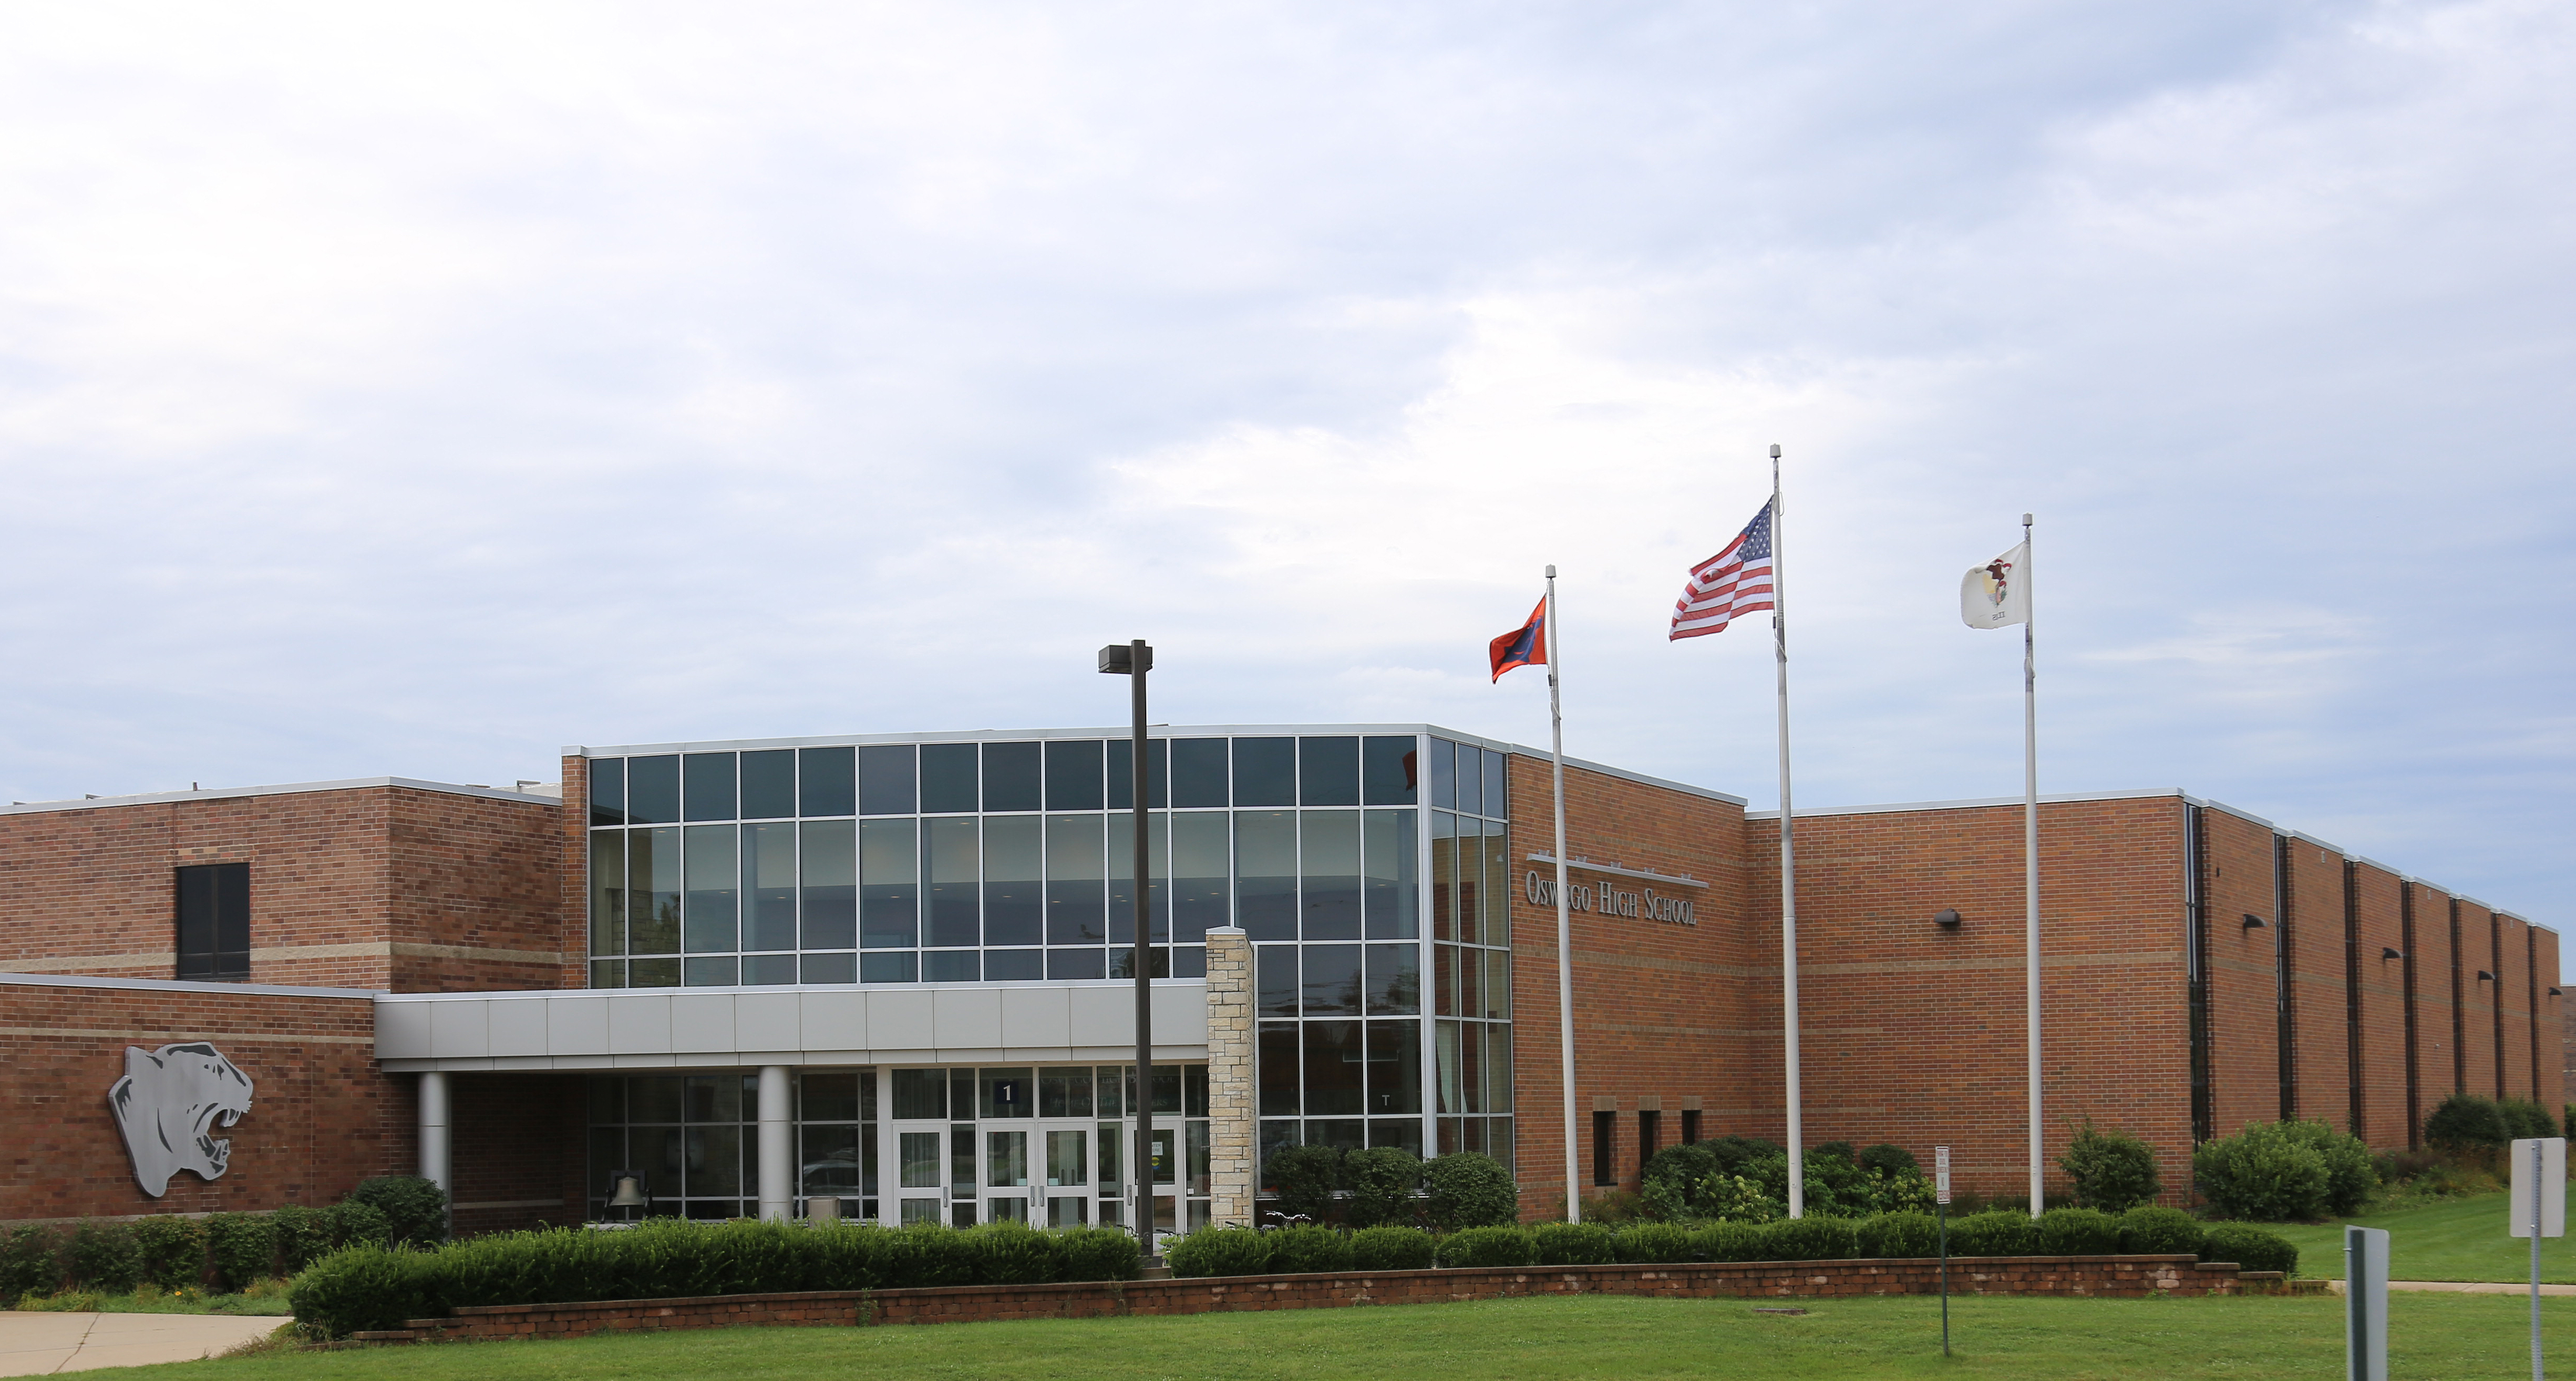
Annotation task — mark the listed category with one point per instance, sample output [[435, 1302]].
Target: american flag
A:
[[1735, 581]]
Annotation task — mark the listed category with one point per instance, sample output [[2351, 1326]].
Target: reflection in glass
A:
[[1498, 985], [1122, 773], [1331, 874], [952, 966], [706, 786], [887, 966], [950, 871], [1265, 772], [768, 970], [1391, 893], [1091, 962], [1471, 878], [1444, 875], [826, 783], [1076, 876], [653, 973], [1275, 980], [831, 1164], [1073, 780], [1067, 1158], [1444, 774], [1064, 1092], [829, 869], [1394, 980], [1200, 847], [830, 968], [1394, 1067], [769, 784], [1010, 776], [716, 972], [917, 1156], [1122, 870], [889, 894], [714, 880], [653, 888], [1014, 846], [1471, 780], [948, 777], [1493, 906], [608, 892], [1014, 965], [1332, 979], [653, 790], [1328, 771], [1387, 770], [1497, 781], [608, 791], [769, 876], [1333, 1063], [1265, 866], [1198, 772], [886, 779]]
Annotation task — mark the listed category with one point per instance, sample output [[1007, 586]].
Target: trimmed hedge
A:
[[1573, 1244], [1899, 1235], [370, 1286], [1390, 1248], [2151, 1230], [2078, 1232], [2251, 1248], [1492, 1246]]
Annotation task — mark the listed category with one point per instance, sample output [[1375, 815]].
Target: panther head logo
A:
[[169, 1102]]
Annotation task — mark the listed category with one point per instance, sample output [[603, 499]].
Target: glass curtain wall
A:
[[1471, 957]]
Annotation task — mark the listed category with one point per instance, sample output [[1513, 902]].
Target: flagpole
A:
[[1564, 910], [2030, 854], [1788, 860]]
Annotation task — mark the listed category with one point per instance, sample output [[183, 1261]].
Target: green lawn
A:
[[2450, 1239], [2451, 1337]]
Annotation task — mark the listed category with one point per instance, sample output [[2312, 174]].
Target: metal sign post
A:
[[1941, 1205], [2365, 1304], [2539, 1210]]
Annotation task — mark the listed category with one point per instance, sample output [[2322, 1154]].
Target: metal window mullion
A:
[[1425, 958]]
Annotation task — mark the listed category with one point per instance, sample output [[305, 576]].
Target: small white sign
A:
[[1940, 1174], [2551, 1185]]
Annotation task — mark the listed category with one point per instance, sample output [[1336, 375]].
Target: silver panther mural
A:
[[168, 1102]]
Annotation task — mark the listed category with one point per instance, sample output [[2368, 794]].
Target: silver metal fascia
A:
[[173, 985], [1979, 803], [285, 789]]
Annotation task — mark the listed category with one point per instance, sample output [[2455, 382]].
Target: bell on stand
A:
[[629, 1194]]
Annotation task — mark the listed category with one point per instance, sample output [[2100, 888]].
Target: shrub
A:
[[2251, 1248], [356, 1224], [103, 1257], [919, 1256], [28, 1264], [1573, 1244], [1383, 1180], [1487, 1246], [1004, 1253], [1810, 1239], [1897, 1235], [2113, 1171], [2000, 1233], [1308, 1248], [1221, 1251], [243, 1246], [1303, 1179], [1733, 1153], [1736, 1199], [1730, 1242], [1096, 1253], [363, 1287], [1469, 1190], [1670, 1182], [2351, 1176], [2264, 1172], [1389, 1247], [2078, 1232], [1888, 1159], [2465, 1120], [2525, 1118], [303, 1236], [1655, 1242], [414, 1208], [171, 1252], [2151, 1230]]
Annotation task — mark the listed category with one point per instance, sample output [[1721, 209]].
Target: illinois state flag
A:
[[1524, 646], [1997, 594]]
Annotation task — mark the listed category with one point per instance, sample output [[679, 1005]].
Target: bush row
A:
[[1390, 1185], [2466, 1120], [370, 1286], [223, 1251], [2285, 1172], [2059, 1232]]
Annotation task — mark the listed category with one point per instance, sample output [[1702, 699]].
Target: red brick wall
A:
[[2244, 1014], [321, 1117], [2436, 994], [2513, 992], [2478, 999], [374, 887], [2384, 1116], [2321, 1020], [2548, 1021], [517, 1150], [1660, 1008]]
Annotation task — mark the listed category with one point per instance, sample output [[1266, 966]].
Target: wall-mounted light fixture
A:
[[2485, 977], [1947, 918], [2387, 953], [2254, 922], [2553, 992]]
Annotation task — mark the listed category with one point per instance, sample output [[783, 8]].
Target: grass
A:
[[267, 1298], [2455, 1337], [2445, 1239]]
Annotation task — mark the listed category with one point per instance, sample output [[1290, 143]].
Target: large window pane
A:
[[1275, 979], [920, 1095], [1394, 980], [1394, 1067], [1328, 771], [1073, 780], [829, 968], [1077, 878], [829, 869], [950, 871], [1122, 773], [1498, 984], [889, 966], [886, 779], [1265, 772], [1498, 1069], [1471, 879], [608, 791], [1497, 784], [706, 786], [715, 877], [1391, 853], [769, 784], [831, 1164], [1471, 779], [1444, 980], [1201, 896], [889, 887], [828, 1097], [1198, 773], [826, 782], [1011, 776], [1014, 910], [653, 891], [1333, 1062], [1494, 899], [1444, 875], [1448, 1080], [1091, 962], [1332, 979], [653, 790], [607, 892], [1444, 774], [948, 777], [769, 879], [1330, 857], [1122, 870], [1265, 869], [952, 966], [1278, 1065], [1064, 1092], [1387, 770]]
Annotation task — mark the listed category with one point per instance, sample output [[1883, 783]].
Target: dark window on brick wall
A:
[[1605, 1148], [1690, 1126], [1650, 1137], [214, 921]]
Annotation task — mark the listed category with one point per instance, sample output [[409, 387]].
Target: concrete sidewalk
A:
[[35, 1343], [2465, 1287]]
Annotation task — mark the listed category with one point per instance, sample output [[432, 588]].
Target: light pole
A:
[[1133, 660]]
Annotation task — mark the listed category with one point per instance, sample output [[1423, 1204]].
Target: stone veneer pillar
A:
[[1230, 1091]]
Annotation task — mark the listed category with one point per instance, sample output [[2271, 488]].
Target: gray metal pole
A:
[[1142, 657], [2030, 856], [1788, 862], [1564, 914], [2539, 1193]]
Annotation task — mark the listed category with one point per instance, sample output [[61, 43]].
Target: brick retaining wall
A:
[[2095, 1276]]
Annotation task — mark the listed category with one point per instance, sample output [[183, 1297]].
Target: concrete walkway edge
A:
[[42, 1343]]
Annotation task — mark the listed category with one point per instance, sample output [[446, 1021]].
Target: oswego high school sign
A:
[[1609, 900]]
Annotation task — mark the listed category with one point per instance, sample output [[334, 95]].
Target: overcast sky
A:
[[388, 393]]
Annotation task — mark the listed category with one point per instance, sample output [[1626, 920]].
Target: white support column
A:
[[434, 1162], [777, 1146]]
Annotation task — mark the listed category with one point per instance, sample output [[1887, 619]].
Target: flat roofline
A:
[[1124, 985], [169, 985], [1973, 803], [230, 793], [578, 750]]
